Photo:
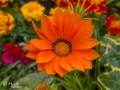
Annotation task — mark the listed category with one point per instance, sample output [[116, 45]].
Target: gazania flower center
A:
[[62, 47]]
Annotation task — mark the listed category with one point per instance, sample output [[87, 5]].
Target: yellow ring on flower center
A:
[[62, 47]]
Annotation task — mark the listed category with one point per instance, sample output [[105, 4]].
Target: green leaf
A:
[[117, 16], [18, 17], [110, 80], [32, 80], [5, 69], [4, 83], [23, 34], [26, 88], [117, 4], [110, 47]]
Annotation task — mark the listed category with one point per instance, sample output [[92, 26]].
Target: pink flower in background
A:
[[12, 53]]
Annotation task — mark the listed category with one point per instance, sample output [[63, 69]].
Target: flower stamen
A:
[[82, 6], [70, 6], [82, 13], [77, 6]]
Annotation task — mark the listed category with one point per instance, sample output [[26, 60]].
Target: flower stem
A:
[[97, 48], [99, 85], [79, 83], [88, 78]]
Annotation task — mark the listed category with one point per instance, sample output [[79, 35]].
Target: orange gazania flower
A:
[[66, 44], [113, 25], [96, 6]]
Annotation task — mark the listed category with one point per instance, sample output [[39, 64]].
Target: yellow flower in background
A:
[[32, 11], [52, 10], [6, 23], [4, 3]]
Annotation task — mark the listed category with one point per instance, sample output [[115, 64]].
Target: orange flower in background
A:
[[96, 6], [4, 3], [6, 23], [113, 25], [66, 44], [32, 10], [43, 86]]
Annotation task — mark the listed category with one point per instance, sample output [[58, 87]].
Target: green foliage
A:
[[26, 88], [32, 80], [118, 4], [110, 51], [4, 83], [74, 80], [110, 80]]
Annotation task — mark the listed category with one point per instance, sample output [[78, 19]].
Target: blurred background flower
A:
[[52, 10], [96, 6], [113, 25], [65, 3], [4, 3], [12, 53], [6, 23], [32, 10]]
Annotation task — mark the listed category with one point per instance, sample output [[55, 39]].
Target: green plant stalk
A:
[[64, 82], [88, 78], [99, 85], [97, 48], [70, 83], [79, 83]]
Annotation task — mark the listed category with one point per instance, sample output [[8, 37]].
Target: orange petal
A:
[[85, 31], [31, 47], [40, 33], [74, 25], [32, 55], [45, 56], [41, 44], [49, 66], [54, 29], [88, 64], [61, 71], [89, 54], [65, 64], [86, 44], [49, 29], [41, 67], [56, 14], [61, 23], [67, 25], [76, 62]]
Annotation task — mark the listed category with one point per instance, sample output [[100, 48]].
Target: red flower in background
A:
[[64, 3], [113, 25], [12, 53], [4, 3], [96, 6]]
